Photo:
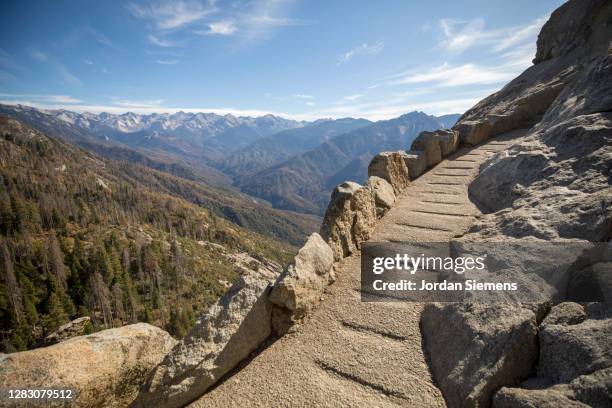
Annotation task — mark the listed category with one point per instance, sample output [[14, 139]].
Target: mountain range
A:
[[303, 182], [257, 162]]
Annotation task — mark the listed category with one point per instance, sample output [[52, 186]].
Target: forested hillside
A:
[[84, 236]]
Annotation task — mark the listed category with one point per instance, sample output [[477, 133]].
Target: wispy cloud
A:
[[303, 96], [88, 62], [167, 62], [446, 75], [153, 39], [353, 97], [521, 35], [169, 15], [458, 35], [363, 49], [220, 28]]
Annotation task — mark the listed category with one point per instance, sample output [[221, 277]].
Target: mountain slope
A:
[[303, 182], [83, 236], [280, 146], [198, 184]]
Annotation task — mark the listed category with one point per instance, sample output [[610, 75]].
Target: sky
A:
[[302, 59]]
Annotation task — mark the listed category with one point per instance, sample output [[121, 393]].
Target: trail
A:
[[350, 353]]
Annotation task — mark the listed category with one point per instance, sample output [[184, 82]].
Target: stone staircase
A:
[[351, 353]]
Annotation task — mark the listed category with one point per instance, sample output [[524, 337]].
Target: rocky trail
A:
[[353, 353]]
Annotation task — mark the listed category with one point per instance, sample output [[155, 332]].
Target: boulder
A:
[[105, 369], [474, 349], [349, 219], [77, 327], [570, 29], [428, 142], [384, 197], [337, 224], [568, 351], [473, 132], [566, 313], [522, 398], [391, 167], [363, 206], [221, 338], [449, 141], [300, 286], [590, 390], [416, 163], [594, 389]]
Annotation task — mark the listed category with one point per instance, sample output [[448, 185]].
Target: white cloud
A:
[[168, 15], [310, 103], [160, 42], [521, 35], [221, 28], [167, 62], [353, 97], [303, 96], [446, 75], [363, 49], [87, 62], [460, 35]]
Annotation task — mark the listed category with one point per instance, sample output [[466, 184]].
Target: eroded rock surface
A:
[[390, 166], [349, 219], [221, 338], [300, 286], [568, 351], [428, 143], [105, 369], [384, 196], [76, 327], [474, 349]]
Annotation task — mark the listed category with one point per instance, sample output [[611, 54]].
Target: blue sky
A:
[[301, 59]]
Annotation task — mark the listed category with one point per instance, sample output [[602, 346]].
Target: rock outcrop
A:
[[428, 143], [551, 184], [475, 349], [570, 350], [349, 218], [221, 338], [105, 369], [555, 182], [74, 328], [574, 366], [300, 286], [416, 163], [384, 196], [390, 166], [353, 209]]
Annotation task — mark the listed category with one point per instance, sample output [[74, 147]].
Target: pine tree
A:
[[55, 262], [101, 298], [12, 285], [56, 315]]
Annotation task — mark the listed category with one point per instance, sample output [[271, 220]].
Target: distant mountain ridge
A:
[[278, 147], [291, 164], [303, 183], [205, 137]]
